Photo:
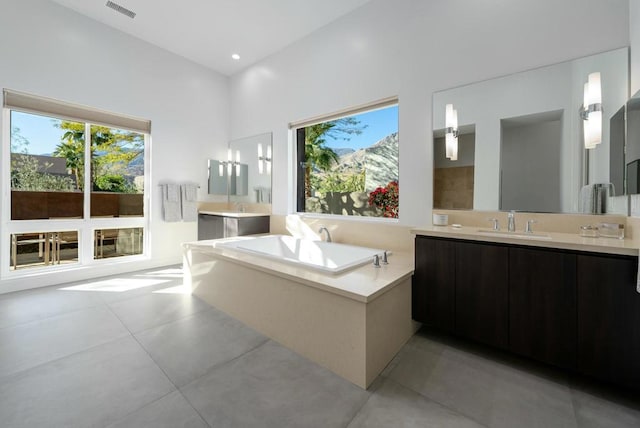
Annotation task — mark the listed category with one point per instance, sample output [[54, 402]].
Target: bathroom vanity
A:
[[567, 301], [216, 225]]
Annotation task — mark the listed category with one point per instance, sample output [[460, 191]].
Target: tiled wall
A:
[[453, 188]]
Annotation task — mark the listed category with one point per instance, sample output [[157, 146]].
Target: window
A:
[[77, 178], [347, 164]]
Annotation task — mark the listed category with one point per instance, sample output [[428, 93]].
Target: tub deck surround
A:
[[363, 284], [567, 241], [352, 323]]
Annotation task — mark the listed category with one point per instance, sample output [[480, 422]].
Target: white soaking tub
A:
[[328, 257]]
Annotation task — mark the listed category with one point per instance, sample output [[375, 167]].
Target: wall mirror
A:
[[520, 139], [245, 176]]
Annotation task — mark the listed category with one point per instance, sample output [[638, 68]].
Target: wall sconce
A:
[[229, 162], [237, 164], [591, 111], [264, 160], [451, 132]]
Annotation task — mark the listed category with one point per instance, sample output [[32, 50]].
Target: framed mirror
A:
[[520, 138], [245, 176]]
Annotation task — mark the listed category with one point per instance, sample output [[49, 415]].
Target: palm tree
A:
[[73, 151], [316, 153]]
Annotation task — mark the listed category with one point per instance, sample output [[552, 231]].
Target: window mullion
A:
[[87, 170]]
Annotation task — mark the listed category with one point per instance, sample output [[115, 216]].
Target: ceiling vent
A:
[[123, 10]]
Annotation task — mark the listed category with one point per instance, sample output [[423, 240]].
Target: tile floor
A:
[[136, 351]]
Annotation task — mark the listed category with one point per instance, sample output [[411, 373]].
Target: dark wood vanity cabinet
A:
[[434, 305], [572, 309], [481, 293], [609, 318], [542, 305], [216, 226]]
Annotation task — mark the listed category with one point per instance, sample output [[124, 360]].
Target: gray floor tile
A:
[[393, 405], [92, 388], [171, 411], [26, 306], [27, 345], [594, 411], [523, 399], [484, 389], [154, 309], [274, 387], [188, 348]]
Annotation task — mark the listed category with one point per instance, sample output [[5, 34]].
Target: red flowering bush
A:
[[386, 198]]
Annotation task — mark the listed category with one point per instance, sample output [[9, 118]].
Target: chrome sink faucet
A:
[[496, 223], [323, 228], [528, 229], [511, 221]]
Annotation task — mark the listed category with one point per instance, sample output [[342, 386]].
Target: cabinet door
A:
[[481, 311], [609, 318], [210, 227], [542, 305], [253, 225], [239, 226], [434, 283]]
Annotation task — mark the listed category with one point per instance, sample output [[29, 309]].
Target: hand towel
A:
[[170, 202], [189, 202]]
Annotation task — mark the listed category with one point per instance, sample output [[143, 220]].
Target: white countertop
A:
[[234, 214], [567, 241], [363, 284]]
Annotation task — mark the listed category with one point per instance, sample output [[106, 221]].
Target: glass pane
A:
[[117, 242], [117, 172], [350, 165], [40, 249], [47, 164]]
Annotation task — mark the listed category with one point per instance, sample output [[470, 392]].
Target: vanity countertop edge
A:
[[233, 214], [566, 241]]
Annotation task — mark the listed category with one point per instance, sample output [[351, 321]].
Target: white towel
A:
[[170, 202], [172, 192], [587, 199], [189, 202]]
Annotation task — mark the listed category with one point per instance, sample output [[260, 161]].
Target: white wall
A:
[[48, 50], [634, 38], [412, 48]]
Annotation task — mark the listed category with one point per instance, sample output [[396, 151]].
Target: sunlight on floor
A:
[[116, 285], [168, 273]]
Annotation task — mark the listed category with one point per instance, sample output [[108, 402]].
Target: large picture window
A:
[[347, 164], [77, 180]]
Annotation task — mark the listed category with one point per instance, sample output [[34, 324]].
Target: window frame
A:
[[296, 130], [85, 226]]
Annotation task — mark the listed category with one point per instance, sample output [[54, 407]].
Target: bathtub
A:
[[327, 257], [352, 323]]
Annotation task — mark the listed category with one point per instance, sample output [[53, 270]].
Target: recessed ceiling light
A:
[[235, 56]]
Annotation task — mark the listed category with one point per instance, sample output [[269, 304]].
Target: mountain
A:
[[342, 152], [380, 162]]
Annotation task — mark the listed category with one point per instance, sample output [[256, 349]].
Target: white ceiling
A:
[[209, 31]]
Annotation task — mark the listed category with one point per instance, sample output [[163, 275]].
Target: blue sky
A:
[[40, 131], [380, 123]]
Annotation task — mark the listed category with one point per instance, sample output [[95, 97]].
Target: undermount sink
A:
[[519, 235]]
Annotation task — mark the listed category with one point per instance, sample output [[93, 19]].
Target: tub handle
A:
[[384, 258], [376, 261]]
